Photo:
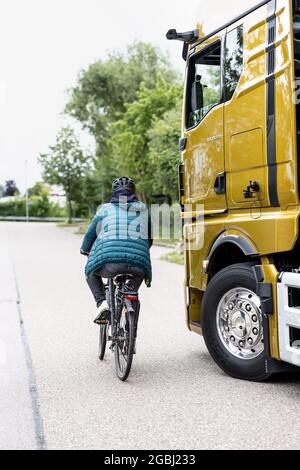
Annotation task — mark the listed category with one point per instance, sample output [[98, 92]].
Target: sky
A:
[[45, 43]]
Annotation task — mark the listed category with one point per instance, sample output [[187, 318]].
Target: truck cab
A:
[[240, 147]]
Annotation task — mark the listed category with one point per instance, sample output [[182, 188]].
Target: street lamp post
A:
[[26, 194]]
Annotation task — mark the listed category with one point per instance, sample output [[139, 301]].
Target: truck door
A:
[[204, 130], [245, 116]]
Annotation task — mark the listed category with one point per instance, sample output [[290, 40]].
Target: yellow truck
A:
[[240, 162]]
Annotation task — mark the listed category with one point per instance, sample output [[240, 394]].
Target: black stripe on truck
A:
[[271, 120]]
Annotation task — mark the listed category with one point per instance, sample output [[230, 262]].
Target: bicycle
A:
[[122, 324]]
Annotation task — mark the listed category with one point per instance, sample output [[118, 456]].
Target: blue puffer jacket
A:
[[119, 234]]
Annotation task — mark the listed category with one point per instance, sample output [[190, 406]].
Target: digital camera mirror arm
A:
[[187, 38]]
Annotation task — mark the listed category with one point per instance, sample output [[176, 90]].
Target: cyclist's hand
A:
[[84, 253]]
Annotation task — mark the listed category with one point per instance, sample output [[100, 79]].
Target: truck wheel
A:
[[232, 323]]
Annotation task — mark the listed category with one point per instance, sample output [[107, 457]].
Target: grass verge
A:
[[174, 257]]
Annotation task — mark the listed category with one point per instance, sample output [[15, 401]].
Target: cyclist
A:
[[118, 241]]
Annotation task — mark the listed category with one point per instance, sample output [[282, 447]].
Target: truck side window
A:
[[204, 85], [233, 62]]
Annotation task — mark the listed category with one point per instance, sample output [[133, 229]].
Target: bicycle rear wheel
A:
[[124, 348], [102, 341]]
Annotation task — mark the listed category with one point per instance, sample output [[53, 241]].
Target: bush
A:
[[39, 206], [57, 211], [13, 208]]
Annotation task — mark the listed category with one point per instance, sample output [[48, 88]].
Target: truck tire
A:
[[232, 323]]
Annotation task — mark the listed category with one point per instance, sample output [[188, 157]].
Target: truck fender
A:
[[234, 237]]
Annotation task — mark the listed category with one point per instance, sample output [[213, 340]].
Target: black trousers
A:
[[108, 271]]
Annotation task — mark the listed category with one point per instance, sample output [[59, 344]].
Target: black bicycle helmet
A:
[[123, 183]]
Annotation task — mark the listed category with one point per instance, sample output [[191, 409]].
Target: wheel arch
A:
[[232, 247]]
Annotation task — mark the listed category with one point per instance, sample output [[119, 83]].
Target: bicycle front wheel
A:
[[124, 348], [102, 341]]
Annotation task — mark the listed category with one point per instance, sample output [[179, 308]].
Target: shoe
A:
[[103, 314]]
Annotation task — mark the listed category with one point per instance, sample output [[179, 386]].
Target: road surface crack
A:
[[32, 382]]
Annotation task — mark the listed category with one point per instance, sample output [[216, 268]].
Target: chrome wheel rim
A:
[[239, 323]]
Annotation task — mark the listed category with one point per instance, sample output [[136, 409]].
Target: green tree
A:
[[102, 95], [39, 205], [164, 154], [66, 165], [105, 87], [1, 190], [131, 137], [38, 189], [10, 188]]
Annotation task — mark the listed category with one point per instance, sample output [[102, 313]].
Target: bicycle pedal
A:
[[100, 322]]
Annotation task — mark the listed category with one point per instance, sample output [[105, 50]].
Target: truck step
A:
[[288, 291]]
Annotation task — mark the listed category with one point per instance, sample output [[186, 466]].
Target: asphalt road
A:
[[55, 394]]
